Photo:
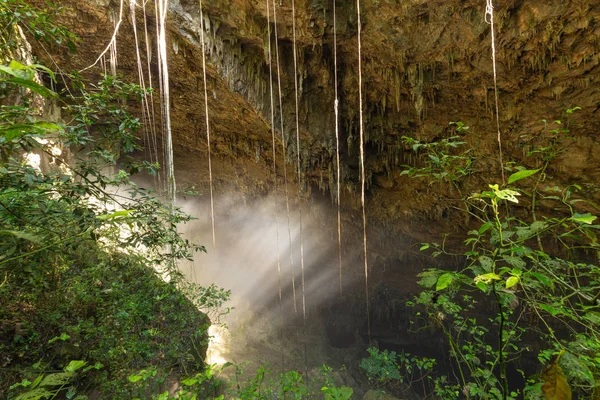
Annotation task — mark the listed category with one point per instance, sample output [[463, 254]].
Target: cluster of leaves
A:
[[525, 286], [439, 162], [203, 385], [262, 385], [48, 384], [400, 372], [288, 385], [41, 24]]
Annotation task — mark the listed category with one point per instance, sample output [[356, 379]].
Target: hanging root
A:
[[112, 45], [337, 145], [275, 182], [362, 175], [162, 41], [299, 196], [210, 179], [283, 147], [489, 18]]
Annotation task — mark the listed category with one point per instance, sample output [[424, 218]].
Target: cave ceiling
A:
[[424, 63]]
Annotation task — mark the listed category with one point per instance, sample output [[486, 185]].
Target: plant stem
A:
[[501, 359]]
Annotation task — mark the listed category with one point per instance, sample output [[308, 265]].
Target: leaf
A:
[[74, 365], [550, 309], [33, 86], [508, 194], [116, 214], [428, 278], [484, 228], [189, 381], [512, 281], [517, 176], [424, 247], [486, 263], [134, 378], [25, 382], [537, 226], [444, 281], [36, 394], [37, 381], [45, 69], [23, 235], [544, 280], [555, 385], [96, 366], [586, 218], [57, 379], [17, 70], [487, 278], [516, 262], [482, 286], [593, 317]]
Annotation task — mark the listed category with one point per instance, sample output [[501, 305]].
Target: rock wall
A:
[[425, 64]]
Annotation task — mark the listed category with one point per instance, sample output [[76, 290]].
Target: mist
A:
[[253, 241]]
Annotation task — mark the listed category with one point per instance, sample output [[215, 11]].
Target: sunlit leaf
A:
[[444, 281], [116, 214], [189, 381], [512, 281], [517, 176], [134, 378], [487, 278], [586, 218], [508, 194], [35, 394], [57, 379], [75, 365]]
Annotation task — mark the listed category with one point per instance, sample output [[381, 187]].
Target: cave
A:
[[306, 290]]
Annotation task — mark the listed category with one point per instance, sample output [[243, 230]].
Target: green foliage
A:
[[40, 24], [334, 393], [439, 162], [388, 369], [48, 384], [82, 267], [522, 286], [288, 385], [381, 366], [203, 385]]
